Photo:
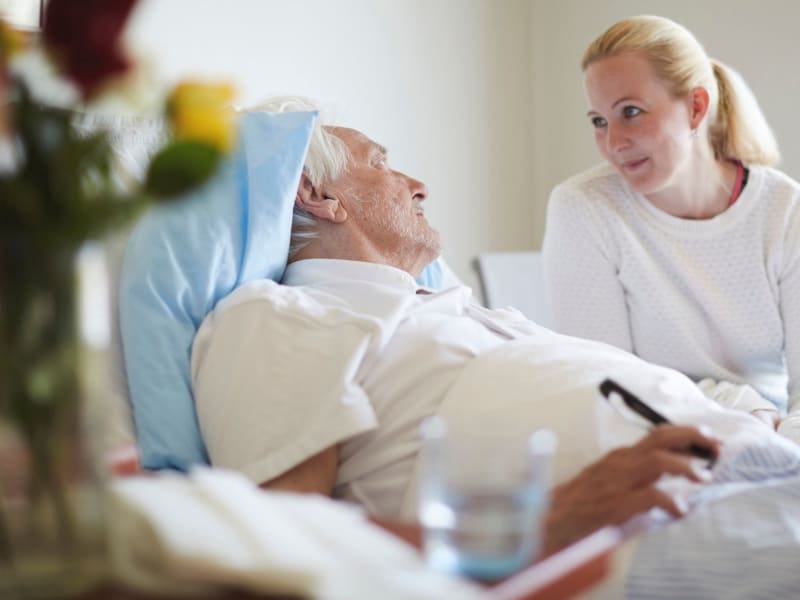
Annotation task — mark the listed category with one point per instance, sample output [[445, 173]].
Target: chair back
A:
[[515, 279]]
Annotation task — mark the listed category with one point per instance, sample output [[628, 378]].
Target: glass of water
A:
[[481, 498]]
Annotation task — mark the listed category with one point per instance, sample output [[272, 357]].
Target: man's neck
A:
[[331, 248]]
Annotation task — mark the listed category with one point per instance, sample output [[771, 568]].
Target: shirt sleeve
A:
[[585, 295], [735, 395], [790, 313], [275, 383]]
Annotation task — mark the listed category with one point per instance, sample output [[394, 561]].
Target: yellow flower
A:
[[11, 40], [202, 112]]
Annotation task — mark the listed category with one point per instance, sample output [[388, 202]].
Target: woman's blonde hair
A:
[[737, 127]]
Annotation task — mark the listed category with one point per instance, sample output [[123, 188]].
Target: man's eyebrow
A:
[[378, 149]]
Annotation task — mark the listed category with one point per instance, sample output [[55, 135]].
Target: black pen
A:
[[610, 386]]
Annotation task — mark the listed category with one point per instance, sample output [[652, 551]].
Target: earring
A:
[[695, 133]]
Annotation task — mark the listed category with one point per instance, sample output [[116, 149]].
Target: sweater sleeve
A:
[[790, 313], [735, 395], [580, 271]]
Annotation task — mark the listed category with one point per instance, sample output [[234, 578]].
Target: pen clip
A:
[[609, 386]]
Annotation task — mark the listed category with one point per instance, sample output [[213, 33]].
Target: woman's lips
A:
[[632, 165]]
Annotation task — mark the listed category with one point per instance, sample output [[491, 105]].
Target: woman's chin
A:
[[641, 184]]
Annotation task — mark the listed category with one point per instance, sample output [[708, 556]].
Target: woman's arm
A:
[[789, 289], [581, 272], [742, 397]]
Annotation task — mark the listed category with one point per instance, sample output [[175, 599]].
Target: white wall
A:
[[445, 84], [481, 99]]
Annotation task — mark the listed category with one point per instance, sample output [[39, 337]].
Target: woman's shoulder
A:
[[776, 195], [596, 193], [599, 180], [776, 182], [596, 197]]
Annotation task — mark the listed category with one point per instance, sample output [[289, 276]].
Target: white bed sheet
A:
[[542, 382]]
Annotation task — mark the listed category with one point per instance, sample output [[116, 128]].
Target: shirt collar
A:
[[324, 270]]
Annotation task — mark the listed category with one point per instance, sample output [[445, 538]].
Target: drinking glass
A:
[[482, 496]]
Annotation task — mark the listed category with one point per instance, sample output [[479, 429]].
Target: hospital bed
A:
[[156, 517], [771, 470]]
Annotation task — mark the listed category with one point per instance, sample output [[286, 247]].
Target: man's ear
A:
[[318, 204], [698, 107]]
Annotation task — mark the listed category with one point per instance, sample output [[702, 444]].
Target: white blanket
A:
[[551, 381], [541, 382]]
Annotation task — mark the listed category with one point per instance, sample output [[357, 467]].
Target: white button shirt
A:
[[344, 353]]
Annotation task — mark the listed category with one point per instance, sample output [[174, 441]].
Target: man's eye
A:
[[598, 122], [631, 111]]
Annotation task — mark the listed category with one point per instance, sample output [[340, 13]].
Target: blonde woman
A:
[[684, 248]]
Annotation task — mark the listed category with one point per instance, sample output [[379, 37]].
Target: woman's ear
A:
[[324, 206], [699, 105]]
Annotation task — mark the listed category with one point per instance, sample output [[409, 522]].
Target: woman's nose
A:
[[616, 138]]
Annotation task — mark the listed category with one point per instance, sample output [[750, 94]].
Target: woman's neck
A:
[[701, 190]]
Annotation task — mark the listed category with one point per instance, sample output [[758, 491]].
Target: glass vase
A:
[[52, 492]]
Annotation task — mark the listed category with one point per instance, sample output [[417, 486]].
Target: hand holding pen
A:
[[625, 482], [609, 386]]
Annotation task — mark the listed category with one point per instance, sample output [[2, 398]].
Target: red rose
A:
[[85, 36]]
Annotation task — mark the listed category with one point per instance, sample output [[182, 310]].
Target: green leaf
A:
[[180, 167]]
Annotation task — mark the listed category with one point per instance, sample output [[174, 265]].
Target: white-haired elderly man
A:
[[327, 377]]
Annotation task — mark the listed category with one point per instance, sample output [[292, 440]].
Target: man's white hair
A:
[[326, 160]]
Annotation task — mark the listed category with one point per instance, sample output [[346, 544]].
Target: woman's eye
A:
[[598, 122], [631, 111]]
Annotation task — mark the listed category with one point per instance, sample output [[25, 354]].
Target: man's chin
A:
[[427, 253], [435, 245]]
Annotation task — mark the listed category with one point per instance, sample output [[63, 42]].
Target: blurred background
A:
[[481, 99]]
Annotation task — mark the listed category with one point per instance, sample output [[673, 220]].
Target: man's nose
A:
[[419, 191]]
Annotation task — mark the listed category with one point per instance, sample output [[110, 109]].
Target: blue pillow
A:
[[432, 276], [182, 258]]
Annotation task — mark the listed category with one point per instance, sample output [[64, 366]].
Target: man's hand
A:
[[622, 484]]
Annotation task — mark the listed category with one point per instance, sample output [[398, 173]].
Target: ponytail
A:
[[740, 129]]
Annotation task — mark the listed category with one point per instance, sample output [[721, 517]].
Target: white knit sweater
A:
[[716, 298]]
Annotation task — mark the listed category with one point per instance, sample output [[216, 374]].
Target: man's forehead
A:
[[355, 139]]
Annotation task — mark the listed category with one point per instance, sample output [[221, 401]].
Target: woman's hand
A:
[[768, 417], [623, 484]]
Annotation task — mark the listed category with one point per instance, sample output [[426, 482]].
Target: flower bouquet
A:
[[59, 189]]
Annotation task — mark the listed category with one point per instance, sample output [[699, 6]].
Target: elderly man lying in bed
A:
[[320, 384]]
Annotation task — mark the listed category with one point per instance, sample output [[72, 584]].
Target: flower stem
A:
[[6, 549], [50, 482]]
